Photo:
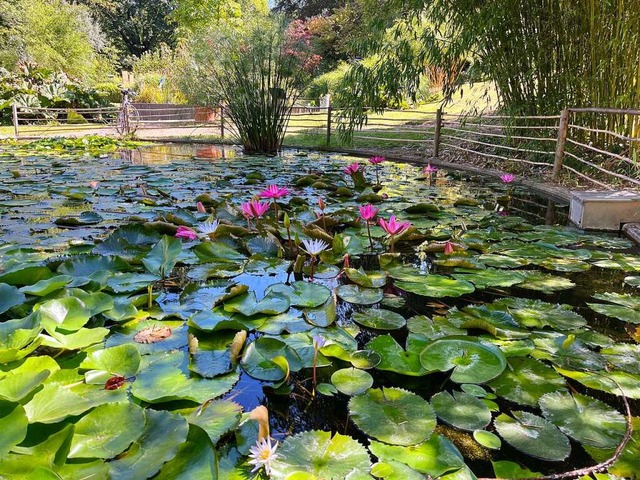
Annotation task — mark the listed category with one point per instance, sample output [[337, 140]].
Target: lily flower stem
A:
[[313, 264], [393, 238], [315, 364], [248, 224], [149, 296], [377, 176], [275, 210], [369, 232], [289, 240], [324, 222]]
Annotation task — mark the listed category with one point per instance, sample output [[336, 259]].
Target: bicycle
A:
[[128, 116]]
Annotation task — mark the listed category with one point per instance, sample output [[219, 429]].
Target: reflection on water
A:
[[166, 153]]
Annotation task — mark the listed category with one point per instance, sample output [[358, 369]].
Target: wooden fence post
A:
[[563, 127], [222, 122], [14, 111], [329, 111], [436, 133]]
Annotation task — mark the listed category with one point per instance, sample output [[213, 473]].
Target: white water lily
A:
[[208, 228], [314, 247], [262, 454]]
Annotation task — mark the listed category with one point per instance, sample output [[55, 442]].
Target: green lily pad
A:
[[437, 286], [533, 313], [489, 277], [13, 423], [10, 297], [367, 279], [195, 458], [322, 455], [625, 306], [122, 360], [471, 360], [435, 457], [461, 410], [526, 381], [379, 319], [163, 256], [507, 469], [393, 415], [100, 433], [258, 359], [67, 313], [359, 295], [487, 439], [396, 359], [545, 283], [216, 418], [158, 442], [533, 435], [272, 304], [611, 382], [585, 419], [47, 286], [302, 294], [351, 381], [623, 356]]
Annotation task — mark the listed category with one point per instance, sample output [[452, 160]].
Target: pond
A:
[[149, 312]]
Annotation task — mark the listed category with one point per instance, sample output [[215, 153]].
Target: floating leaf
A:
[[533, 435], [258, 359], [544, 283], [47, 286], [471, 360], [13, 424], [625, 307], [584, 419], [437, 286], [67, 313], [487, 439], [359, 295], [394, 358], [100, 433], [216, 418], [367, 279], [435, 457], [533, 313], [163, 256], [10, 296], [393, 415], [380, 319], [302, 294], [461, 410], [351, 381], [324, 456], [489, 277], [526, 380], [158, 442]]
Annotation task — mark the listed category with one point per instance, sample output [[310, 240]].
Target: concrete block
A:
[[604, 210]]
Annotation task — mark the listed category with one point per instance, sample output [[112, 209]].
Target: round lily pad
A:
[[359, 295], [585, 419], [380, 319], [461, 410], [437, 286], [351, 381], [487, 439], [471, 360], [318, 453], [533, 435], [393, 415], [526, 381]]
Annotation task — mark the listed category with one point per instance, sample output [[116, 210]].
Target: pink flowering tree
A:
[[259, 74]]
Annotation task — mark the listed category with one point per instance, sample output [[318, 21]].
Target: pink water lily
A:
[[352, 168], [429, 169], [376, 160], [393, 227], [254, 209], [186, 233], [448, 248], [94, 184], [200, 207], [507, 177], [368, 213], [274, 191]]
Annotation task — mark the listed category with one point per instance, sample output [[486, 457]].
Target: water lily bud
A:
[[321, 204], [287, 221]]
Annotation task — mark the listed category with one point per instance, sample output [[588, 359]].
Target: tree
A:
[[303, 9], [135, 26], [54, 35], [196, 15]]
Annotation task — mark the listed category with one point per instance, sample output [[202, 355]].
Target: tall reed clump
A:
[[259, 74]]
